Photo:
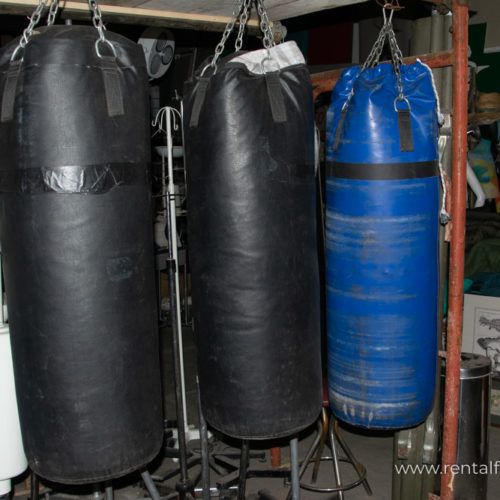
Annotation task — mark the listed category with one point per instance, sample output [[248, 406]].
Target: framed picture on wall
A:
[[481, 328]]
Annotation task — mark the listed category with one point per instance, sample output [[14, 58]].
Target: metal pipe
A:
[[294, 467], [205, 464], [109, 492], [456, 271], [242, 481], [150, 485], [177, 355], [34, 487]]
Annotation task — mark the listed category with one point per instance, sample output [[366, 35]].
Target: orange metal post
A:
[[456, 271]]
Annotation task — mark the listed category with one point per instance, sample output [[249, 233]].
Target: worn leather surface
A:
[[253, 252], [77, 248]]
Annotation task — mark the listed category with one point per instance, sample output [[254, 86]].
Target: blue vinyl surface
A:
[[382, 257], [370, 129]]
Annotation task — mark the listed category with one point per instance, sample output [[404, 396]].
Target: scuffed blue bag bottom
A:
[[382, 299]]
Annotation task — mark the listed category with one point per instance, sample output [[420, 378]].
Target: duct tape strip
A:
[[382, 171], [90, 179]]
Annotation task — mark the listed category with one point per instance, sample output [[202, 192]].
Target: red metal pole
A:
[[456, 270], [276, 456]]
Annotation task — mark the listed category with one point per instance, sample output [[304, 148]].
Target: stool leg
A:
[[294, 468], [350, 456], [321, 445], [242, 481], [336, 469]]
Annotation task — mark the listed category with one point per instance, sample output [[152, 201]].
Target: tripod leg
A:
[[205, 465], [150, 486], [242, 481], [34, 487]]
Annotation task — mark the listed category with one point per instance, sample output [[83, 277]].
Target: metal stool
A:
[[328, 427]]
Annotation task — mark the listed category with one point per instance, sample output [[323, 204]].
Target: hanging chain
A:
[[99, 26], [397, 60], [28, 32], [227, 31], [54, 7], [242, 11], [265, 25], [373, 58], [243, 22]]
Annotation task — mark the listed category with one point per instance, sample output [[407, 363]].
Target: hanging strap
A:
[[109, 66], [16, 60], [403, 112], [9, 91]]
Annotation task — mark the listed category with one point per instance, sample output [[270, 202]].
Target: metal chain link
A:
[[242, 10], [374, 55], [28, 32], [243, 22], [265, 25], [387, 31], [99, 26], [54, 7], [219, 49]]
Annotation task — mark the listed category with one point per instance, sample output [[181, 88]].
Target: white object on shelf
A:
[[12, 459]]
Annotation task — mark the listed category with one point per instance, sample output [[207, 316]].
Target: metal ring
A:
[[401, 98], [108, 43], [268, 58], [349, 486], [214, 66]]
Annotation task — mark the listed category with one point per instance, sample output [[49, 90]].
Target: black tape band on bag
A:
[[382, 171], [90, 179]]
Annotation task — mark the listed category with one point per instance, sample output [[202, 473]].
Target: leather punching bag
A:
[[76, 235], [382, 227], [249, 142]]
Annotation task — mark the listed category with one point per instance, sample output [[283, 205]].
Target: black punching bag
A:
[[76, 235], [249, 141]]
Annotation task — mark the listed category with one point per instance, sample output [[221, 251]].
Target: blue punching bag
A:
[[382, 225]]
